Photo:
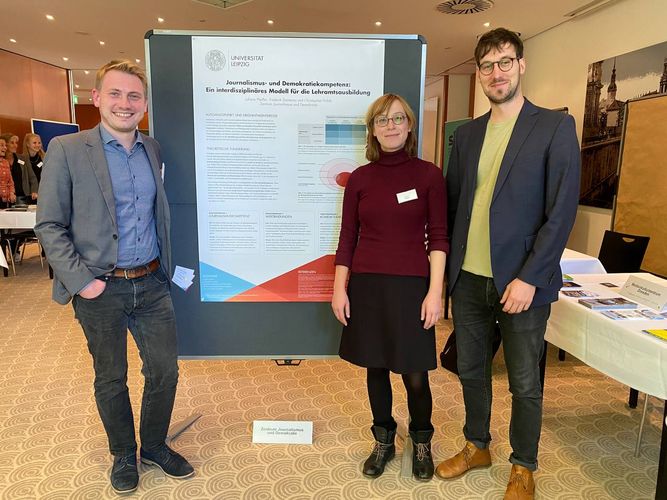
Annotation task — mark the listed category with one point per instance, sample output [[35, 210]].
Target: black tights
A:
[[420, 403]]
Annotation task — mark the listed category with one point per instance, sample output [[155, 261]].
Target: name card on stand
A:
[[282, 432], [646, 291]]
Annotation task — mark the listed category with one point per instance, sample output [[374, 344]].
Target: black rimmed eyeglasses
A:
[[505, 64]]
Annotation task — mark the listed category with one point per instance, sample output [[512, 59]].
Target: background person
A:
[[33, 152], [513, 187], [103, 221], [25, 182], [7, 193], [394, 295]]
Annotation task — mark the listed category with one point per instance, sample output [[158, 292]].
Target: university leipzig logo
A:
[[215, 60]]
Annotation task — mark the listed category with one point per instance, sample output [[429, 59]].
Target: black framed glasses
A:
[[383, 121], [505, 64]]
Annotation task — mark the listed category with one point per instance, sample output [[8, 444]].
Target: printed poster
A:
[[279, 127]]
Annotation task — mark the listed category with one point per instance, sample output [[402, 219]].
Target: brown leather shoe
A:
[[468, 458], [521, 485]]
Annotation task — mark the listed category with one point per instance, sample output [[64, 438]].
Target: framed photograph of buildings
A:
[[611, 83]]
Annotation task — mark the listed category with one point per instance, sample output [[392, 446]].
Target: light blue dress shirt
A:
[[134, 195]]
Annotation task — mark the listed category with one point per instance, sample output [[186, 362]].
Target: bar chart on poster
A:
[[259, 134]]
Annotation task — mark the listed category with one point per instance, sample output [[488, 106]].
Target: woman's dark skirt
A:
[[384, 329]]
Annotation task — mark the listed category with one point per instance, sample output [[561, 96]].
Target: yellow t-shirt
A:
[[477, 259]]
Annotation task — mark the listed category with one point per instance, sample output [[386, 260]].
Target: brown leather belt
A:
[[135, 272]]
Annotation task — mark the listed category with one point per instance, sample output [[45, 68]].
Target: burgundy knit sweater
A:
[[380, 235]]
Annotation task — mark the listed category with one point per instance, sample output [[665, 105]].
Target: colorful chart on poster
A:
[[279, 127]]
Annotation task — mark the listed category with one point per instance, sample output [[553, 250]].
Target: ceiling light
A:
[[101, 42], [270, 21], [86, 71], [160, 20], [90, 98], [50, 17], [12, 40], [65, 58], [76, 85], [138, 60], [458, 7], [486, 25], [378, 23]]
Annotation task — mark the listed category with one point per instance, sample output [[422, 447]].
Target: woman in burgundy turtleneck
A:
[[392, 246]]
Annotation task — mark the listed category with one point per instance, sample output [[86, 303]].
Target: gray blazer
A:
[[76, 212], [29, 179]]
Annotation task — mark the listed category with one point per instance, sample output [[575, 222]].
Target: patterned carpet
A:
[[52, 445]]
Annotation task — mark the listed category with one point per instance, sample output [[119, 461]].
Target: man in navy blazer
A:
[[513, 187], [103, 221]]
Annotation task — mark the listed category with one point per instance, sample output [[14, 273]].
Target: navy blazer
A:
[[534, 202]]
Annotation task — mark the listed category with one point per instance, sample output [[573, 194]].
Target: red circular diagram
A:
[[335, 173]]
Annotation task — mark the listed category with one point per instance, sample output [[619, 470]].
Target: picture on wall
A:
[[611, 83]]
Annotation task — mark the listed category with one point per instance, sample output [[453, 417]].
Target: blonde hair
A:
[[124, 66], [29, 137], [380, 107], [7, 136]]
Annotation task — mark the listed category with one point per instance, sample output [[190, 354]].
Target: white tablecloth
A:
[[17, 220], [617, 348], [573, 262]]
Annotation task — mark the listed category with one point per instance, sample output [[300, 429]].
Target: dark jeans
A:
[[476, 308], [142, 305]]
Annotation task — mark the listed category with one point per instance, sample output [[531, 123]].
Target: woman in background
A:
[[25, 182], [7, 193], [33, 152], [394, 295]]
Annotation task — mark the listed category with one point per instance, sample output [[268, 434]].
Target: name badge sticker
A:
[[40, 164], [406, 196], [21, 162]]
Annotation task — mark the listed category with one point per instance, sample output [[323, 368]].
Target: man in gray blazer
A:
[[103, 220], [513, 188]]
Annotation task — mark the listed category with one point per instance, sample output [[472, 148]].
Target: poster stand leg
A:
[[406, 458], [288, 362], [180, 427]]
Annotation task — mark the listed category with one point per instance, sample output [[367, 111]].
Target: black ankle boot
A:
[[383, 451], [422, 461]]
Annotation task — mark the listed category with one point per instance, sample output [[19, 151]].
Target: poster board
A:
[[640, 206], [47, 130], [229, 328]]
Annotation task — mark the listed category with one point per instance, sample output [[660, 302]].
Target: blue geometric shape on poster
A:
[[217, 285]]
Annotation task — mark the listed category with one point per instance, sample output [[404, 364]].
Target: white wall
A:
[[556, 69]]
